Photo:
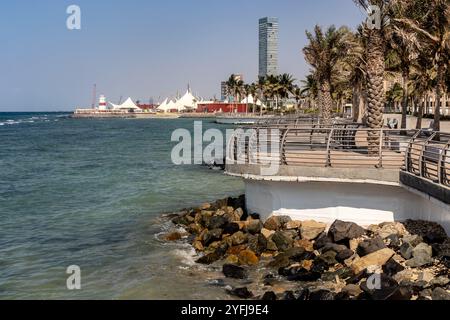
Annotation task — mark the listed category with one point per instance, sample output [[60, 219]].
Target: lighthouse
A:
[[102, 103]]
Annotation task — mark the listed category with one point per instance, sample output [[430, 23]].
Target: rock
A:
[[238, 238], [254, 226], [321, 295], [392, 267], [341, 296], [284, 220], [273, 223], [236, 249], [406, 275], [440, 294], [232, 259], [209, 258], [378, 258], [255, 216], [371, 245], [307, 264], [305, 244], [289, 295], [198, 246], [231, 228], [425, 294], [173, 236], [181, 220], [343, 253], [282, 240], [216, 222], [390, 228], [426, 276], [257, 243], [354, 243], [413, 240], [292, 225], [383, 289], [303, 275], [329, 257], [242, 293], [310, 230], [319, 266], [248, 257], [212, 235], [342, 273], [440, 281], [322, 240], [442, 250], [280, 261], [344, 231], [205, 206], [406, 250], [237, 214], [393, 241], [422, 255], [234, 271], [303, 294], [269, 296], [238, 202], [267, 233], [431, 232], [352, 290], [194, 228]]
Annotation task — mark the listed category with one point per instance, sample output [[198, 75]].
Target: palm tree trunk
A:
[[327, 103], [437, 110], [375, 96], [420, 112], [405, 78]]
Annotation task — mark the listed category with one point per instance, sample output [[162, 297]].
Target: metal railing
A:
[[415, 151]]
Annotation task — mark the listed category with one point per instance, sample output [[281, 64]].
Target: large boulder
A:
[[322, 240], [310, 229], [239, 238], [377, 258], [211, 236], [370, 245], [422, 255], [282, 240], [248, 257], [391, 228], [273, 223], [234, 271], [257, 243], [242, 293], [254, 226], [344, 231], [216, 222]]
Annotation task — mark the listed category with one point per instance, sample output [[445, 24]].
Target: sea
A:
[[92, 194]]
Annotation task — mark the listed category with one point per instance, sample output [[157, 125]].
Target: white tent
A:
[[186, 102], [127, 105], [163, 106], [251, 100]]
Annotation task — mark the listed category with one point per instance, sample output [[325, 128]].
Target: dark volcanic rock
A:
[[216, 222], [181, 220], [254, 226], [242, 293], [392, 267], [431, 232], [371, 245], [406, 250], [282, 240], [393, 241], [238, 202], [303, 294], [269, 296], [209, 258], [273, 223], [231, 228], [329, 258], [211, 236], [319, 266], [304, 275], [342, 251], [388, 288], [257, 243], [344, 231], [344, 255], [288, 295], [322, 240], [321, 295], [234, 271]]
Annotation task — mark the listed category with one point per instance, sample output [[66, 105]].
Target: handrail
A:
[[418, 152]]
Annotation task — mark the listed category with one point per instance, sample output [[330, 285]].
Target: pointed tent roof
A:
[[128, 104], [251, 100], [188, 101], [163, 105]]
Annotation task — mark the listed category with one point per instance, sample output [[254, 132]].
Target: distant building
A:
[[268, 46], [213, 107]]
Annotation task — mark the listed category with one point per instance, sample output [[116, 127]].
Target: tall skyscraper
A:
[[268, 46]]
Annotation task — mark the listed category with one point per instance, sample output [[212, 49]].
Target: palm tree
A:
[[254, 91], [403, 49], [433, 28], [309, 89], [297, 93], [375, 49], [324, 53]]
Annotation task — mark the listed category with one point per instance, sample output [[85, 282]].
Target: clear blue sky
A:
[[143, 48]]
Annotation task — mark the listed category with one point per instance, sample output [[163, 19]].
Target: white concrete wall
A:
[[361, 203]]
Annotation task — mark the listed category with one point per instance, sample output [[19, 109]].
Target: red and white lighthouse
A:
[[102, 103]]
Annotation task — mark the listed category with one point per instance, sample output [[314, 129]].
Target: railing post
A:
[[283, 160], [422, 152], [408, 157], [380, 150], [441, 163], [328, 162]]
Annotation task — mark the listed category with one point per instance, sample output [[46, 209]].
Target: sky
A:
[[146, 49]]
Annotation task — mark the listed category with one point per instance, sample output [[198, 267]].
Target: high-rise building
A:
[[268, 46]]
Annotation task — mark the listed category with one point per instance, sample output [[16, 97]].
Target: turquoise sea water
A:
[[90, 193]]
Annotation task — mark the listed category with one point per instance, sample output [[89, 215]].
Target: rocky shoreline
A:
[[283, 259]]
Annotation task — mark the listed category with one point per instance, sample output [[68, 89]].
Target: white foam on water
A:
[[187, 255]]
